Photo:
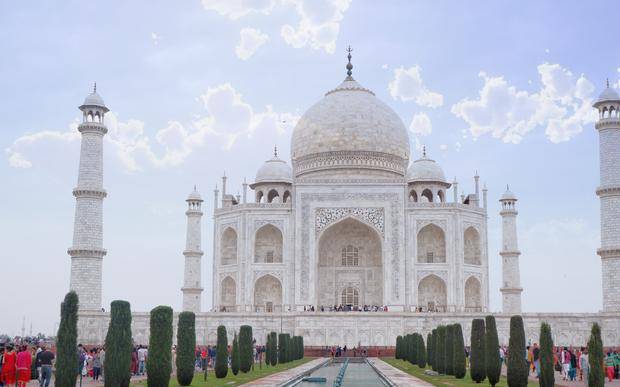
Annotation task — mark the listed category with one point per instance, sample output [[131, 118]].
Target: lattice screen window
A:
[[350, 296], [430, 256], [350, 256], [269, 257]]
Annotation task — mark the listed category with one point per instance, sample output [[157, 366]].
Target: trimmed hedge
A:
[[274, 349], [441, 349], [429, 348], [282, 350], [458, 351], [234, 361], [186, 343], [547, 373], [66, 347], [435, 357], [399, 343], [518, 369], [246, 358], [477, 367], [596, 377], [421, 352], [159, 364], [492, 361], [221, 353], [450, 349], [118, 345]]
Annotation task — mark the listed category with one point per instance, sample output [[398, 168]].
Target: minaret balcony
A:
[[609, 252], [98, 193], [608, 190], [79, 251], [608, 123], [92, 127]]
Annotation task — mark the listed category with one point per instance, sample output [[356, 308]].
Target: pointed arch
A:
[[228, 294], [228, 247], [471, 243], [268, 244], [431, 244], [473, 295], [441, 196], [413, 196], [286, 198], [267, 294], [272, 195], [432, 294], [259, 196], [427, 196]]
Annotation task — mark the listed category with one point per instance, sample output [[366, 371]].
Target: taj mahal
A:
[[350, 240]]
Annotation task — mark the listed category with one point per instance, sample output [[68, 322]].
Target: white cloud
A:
[[234, 9], [251, 40], [155, 38], [421, 124], [457, 146], [318, 26], [443, 147], [562, 106], [385, 66], [228, 119], [407, 85]]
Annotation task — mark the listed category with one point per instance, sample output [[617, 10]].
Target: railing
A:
[[244, 206], [461, 206]]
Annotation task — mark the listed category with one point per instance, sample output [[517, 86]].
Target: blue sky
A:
[[199, 87]]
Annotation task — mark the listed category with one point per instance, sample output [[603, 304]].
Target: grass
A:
[[232, 380], [443, 380]]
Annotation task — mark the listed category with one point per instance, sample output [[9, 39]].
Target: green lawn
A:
[[232, 380], [442, 380]]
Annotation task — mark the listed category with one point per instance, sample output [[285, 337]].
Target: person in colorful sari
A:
[[24, 366], [7, 375], [610, 362]]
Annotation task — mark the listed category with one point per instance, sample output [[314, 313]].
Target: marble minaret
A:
[[511, 280], [608, 126], [192, 286], [87, 251]]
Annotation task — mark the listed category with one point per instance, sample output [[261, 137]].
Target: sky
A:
[[196, 88]]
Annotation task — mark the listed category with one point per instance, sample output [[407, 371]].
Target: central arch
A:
[[267, 294], [349, 256], [268, 245], [473, 295]]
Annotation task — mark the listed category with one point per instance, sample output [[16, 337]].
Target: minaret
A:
[[192, 287], [608, 126], [455, 190], [511, 280], [477, 189], [87, 251]]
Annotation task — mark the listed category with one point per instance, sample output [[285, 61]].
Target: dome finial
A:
[[95, 87], [608, 83], [349, 65], [275, 151], [423, 151]]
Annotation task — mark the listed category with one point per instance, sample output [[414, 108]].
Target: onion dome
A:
[[508, 196], [608, 95], [194, 196], [426, 170], [94, 99], [274, 170]]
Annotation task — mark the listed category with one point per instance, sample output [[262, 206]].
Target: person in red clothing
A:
[[8, 366], [24, 364]]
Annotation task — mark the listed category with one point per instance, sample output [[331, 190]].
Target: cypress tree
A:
[[421, 352], [245, 348], [302, 348], [399, 340], [234, 361], [268, 350], [435, 341], [460, 368], [414, 348], [282, 348], [441, 349], [186, 343], [450, 349], [477, 368], [118, 345], [274, 348], [429, 348], [518, 369], [596, 377], [221, 353], [66, 347], [159, 364], [547, 373], [493, 364]]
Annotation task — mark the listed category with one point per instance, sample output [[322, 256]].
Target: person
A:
[[536, 359], [565, 359], [610, 362], [572, 373], [9, 361], [134, 361], [142, 355], [584, 365], [97, 364], [24, 366], [102, 360]]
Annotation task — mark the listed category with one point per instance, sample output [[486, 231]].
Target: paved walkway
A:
[[284, 376], [396, 376]]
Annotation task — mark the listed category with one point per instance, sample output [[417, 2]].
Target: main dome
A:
[[350, 128]]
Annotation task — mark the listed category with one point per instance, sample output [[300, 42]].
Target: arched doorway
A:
[[228, 295], [432, 294], [267, 294], [473, 298], [350, 255], [228, 247], [268, 245], [471, 240], [431, 245]]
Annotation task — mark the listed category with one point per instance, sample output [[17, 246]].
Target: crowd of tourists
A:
[[24, 362], [338, 351], [347, 308]]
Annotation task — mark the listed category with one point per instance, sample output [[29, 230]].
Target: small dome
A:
[[194, 196], [426, 170], [609, 94], [93, 99], [508, 195], [275, 170]]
